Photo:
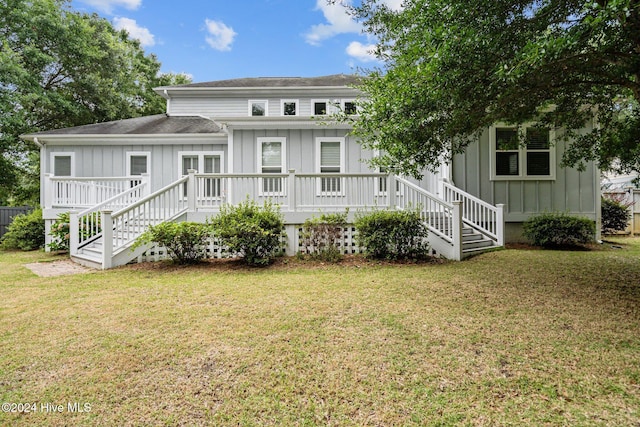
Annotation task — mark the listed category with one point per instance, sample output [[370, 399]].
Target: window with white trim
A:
[[319, 107], [271, 159], [349, 107], [532, 159], [330, 160], [203, 162], [289, 107], [63, 164], [258, 107]]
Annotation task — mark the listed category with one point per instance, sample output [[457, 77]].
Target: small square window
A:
[[258, 108], [320, 108], [350, 108], [289, 108]]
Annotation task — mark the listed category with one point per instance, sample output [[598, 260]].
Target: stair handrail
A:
[[89, 222], [130, 222], [437, 213], [478, 214]]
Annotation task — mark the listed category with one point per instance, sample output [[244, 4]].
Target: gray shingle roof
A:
[[335, 80], [150, 125]]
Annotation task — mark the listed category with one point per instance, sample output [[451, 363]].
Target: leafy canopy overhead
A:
[[61, 68], [454, 67]]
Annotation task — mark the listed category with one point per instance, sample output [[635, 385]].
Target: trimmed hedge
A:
[[251, 231], [185, 241], [559, 229], [321, 236], [392, 234]]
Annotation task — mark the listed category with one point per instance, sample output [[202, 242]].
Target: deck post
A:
[[48, 191], [146, 180], [391, 191], [191, 190], [500, 224], [457, 230], [74, 232], [292, 190], [107, 239]]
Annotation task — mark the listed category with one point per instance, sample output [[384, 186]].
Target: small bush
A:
[[60, 233], [26, 232], [392, 234], [558, 229], [185, 241], [251, 231], [615, 214], [321, 236]]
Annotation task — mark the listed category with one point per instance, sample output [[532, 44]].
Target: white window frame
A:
[[289, 101], [326, 101], [343, 106], [283, 163], [522, 156], [130, 154], [319, 141], [201, 155], [72, 157], [266, 107]]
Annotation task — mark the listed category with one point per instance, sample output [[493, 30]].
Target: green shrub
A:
[[615, 214], [558, 229], [185, 241], [251, 231], [26, 232], [60, 233], [392, 234], [321, 236]]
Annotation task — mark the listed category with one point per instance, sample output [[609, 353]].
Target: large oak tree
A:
[[454, 67], [61, 68]]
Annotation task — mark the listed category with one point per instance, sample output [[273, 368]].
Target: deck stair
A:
[[103, 236]]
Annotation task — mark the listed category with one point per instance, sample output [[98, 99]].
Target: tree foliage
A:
[[454, 67], [60, 68]]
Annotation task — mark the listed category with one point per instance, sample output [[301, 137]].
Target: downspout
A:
[[43, 164], [168, 97]]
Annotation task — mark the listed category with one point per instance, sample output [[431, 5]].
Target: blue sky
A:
[[223, 39]]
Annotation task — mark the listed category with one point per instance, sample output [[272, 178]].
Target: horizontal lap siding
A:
[[572, 191], [235, 107]]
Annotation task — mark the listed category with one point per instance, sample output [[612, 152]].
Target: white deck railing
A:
[[436, 213], [84, 192], [87, 224], [122, 228], [477, 213], [293, 192]]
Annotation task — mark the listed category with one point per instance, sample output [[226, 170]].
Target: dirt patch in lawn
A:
[[57, 268]]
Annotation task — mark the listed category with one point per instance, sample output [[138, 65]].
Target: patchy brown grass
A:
[[512, 337]]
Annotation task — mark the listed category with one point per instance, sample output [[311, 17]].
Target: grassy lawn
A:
[[513, 337]]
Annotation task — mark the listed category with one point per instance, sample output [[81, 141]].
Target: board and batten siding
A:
[[110, 160], [300, 150], [571, 191]]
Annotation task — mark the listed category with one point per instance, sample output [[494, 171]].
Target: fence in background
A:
[[7, 214], [632, 196]]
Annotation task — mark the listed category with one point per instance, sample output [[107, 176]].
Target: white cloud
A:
[[361, 52], [135, 31], [394, 4], [220, 36], [107, 6], [338, 22]]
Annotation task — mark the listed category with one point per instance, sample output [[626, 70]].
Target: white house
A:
[[272, 138]]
